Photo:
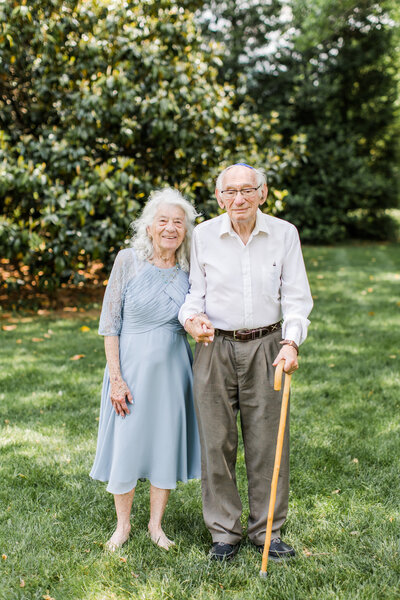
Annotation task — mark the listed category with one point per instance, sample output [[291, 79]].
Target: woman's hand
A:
[[120, 394]]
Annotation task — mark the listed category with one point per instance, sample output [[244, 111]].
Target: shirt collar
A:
[[261, 224]]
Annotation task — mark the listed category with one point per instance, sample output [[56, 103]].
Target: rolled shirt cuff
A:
[[185, 314], [295, 329]]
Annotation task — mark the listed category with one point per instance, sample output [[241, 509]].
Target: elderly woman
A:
[[147, 425]]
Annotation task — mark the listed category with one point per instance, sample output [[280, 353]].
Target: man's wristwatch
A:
[[290, 343]]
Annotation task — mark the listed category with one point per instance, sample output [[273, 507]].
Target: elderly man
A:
[[247, 275]]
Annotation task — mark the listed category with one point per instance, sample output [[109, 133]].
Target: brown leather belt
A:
[[246, 335]]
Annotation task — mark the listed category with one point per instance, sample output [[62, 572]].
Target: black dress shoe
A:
[[222, 551], [278, 550]]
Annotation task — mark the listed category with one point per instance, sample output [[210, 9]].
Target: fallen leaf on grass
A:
[[85, 328], [21, 583], [47, 335], [122, 559], [392, 356], [354, 533], [355, 460], [70, 309], [336, 491], [371, 313], [320, 276], [331, 366], [18, 341], [8, 327], [134, 574], [47, 597], [370, 290], [77, 356], [4, 556], [35, 339]]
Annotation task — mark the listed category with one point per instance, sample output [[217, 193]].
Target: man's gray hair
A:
[[140, 239], [261, 176]]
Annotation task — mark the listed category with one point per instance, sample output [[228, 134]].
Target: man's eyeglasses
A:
[[246, 192]]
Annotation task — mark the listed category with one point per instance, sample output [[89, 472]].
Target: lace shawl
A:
[[125, 267]]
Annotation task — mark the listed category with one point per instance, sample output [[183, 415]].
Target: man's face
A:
[[241, 210]]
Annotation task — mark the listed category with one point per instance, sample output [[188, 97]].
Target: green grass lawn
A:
[[344, 517]]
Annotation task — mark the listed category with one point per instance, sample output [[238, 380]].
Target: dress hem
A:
[[133, 485]]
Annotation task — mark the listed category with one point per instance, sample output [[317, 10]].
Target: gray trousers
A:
[[232, 377]]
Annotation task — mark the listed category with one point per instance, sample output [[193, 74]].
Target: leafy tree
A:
[[331, 77], [100, 103], [246, 30]]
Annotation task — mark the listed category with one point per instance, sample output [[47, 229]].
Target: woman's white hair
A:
[[261, 177], [140, 239]]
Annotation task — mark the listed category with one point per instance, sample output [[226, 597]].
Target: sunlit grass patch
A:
[[344, 517]]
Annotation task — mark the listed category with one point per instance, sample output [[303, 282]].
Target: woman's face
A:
[[168, 229]]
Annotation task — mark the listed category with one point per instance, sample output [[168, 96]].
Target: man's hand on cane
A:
[[289, 355]]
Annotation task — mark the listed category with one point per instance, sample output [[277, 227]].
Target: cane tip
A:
[[263, 574]]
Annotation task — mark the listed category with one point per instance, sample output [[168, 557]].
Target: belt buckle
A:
[[240, 332]]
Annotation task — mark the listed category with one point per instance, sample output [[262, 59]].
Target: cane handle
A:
[[278, 375]]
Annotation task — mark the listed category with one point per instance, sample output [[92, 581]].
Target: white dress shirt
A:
[[247, 286]]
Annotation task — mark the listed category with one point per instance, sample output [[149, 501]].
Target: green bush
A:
[[101, 103]]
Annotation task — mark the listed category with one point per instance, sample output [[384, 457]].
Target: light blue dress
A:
[[159, 439]]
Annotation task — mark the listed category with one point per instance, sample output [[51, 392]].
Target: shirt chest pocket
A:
[[271, 280]]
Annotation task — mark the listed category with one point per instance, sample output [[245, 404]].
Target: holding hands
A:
[[200, 328]]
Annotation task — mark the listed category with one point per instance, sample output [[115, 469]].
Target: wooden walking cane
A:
[[278, 455]]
